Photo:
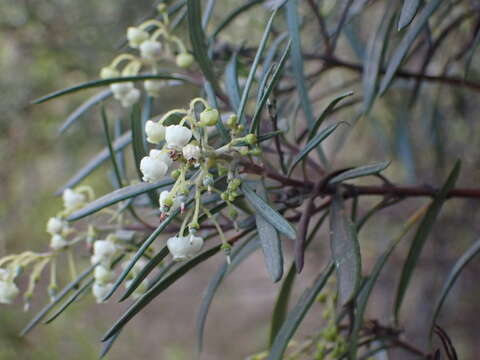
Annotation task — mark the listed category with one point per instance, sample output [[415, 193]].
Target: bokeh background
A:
[[48, 45]]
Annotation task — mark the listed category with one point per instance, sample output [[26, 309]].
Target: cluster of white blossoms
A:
[[153, 41], [8, 289], [104, 252]]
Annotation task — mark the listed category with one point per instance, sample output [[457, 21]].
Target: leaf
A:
[[409, 9], [421, 236], [312, 144], [233, 14], [471, 52], [240, 254], [155, 290], [119, 144], [270, 241], [118, 195], [297, 314], [139, 151], [253, 69], [72, 285], [107, 345], [327, 111], [231, 82], [407, 41], [199, 43], [268, 213], [110, 148], [266, 93], [91, 102], [291, 9], [212, 100], [452, 277], [359, 172], [345, 251], [104, 82]]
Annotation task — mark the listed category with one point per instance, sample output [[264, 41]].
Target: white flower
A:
[[177, 136], [108, 72], [4, 274], [55, 225], [155, 132], [153, 87], [151, 50], [8, 291], [177, 201], [136, 36], [184, 60], [154, 168], [103, 274], [191, 152], [100, 291], [121, 89], [130, 98], [58, 242], [73, 200], [103, 251], [139, 290], [184, 247]]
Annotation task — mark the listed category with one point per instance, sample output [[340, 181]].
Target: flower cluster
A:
[[154, 42]]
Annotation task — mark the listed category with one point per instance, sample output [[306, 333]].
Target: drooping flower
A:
[[104, 251], [184, 60], [101, 290], [8, 291], [153, 87], [155, 166], [173, 204], [136, 36], [209, 117], [73, 200], [177, 136], [151, 50], [58, 242], [155, 132], [121, 89], [108, 73], [191, 152], [103, 274], [55, 225], [184, 247], [130, 98]]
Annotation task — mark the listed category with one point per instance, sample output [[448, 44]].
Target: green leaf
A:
[[409, 9], [110, 148], [107, 345], [91, 102], [452, 277], [297, 314], [266, 93], [270, 241], [240, 254], [118, 145], [327, 111], [345, 251], [231, 82], [407, 41], [147, 269], [139, 150], [253, 69], [232, 15], [312, 144], [199, 43], [268, 213], [155, 290], [421, 236], [59, 297], [118, 195], [360, 171], [104, 82]]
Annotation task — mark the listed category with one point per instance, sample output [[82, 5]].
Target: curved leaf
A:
[[232, 15], [231, 82], [409, 9], [360, 171]]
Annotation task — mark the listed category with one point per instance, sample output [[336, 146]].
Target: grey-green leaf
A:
[[409, 9], [231, 82], [268, 213], [297, 314], [345, 250], [360, 171], [421, 236]]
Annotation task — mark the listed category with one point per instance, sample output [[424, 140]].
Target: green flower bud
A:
[[232, 121], [184, 60], [175, 174], [244, 151], [330, 333], [224, 196], [251, 139], [240, 128], [209, 117]]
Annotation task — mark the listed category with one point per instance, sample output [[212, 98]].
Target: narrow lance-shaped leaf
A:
[[268, 213], [407, 41], [82, 109], [297, 314], [421, 236], [312, 144], [360, 171], [409, 9], [231, 82], [452, 277], [270, 241], [345, 250]]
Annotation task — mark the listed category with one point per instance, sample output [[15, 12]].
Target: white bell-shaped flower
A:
[[161, 155], [191, 152], [150, 50], [99, 291], [108, 73], [104, 251], [177, 136], [184, 247], [8, 291], [155, 132], [153, 169], [121, 89], [73, 200], [153, 87], [103, 274], [136, 36], [58, 242], [55, 225], [164, 195], [4, 274], [130, 98]]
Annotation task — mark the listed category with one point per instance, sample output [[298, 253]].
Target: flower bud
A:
[[121, 89], [251, 139], [155, 132], [184, 247], [166, 202], [177, 136], [151, 50], [108, 73], [103, 275], [184, 60], [209, 117], [232, 121], [130, 98], [73, 200], [8, 292], [175, 174], [104, 251], [99, 291], [153, 87], [55, 225], [136, 36], [58, 242]]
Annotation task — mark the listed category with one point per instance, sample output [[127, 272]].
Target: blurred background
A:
[[53, 44]]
